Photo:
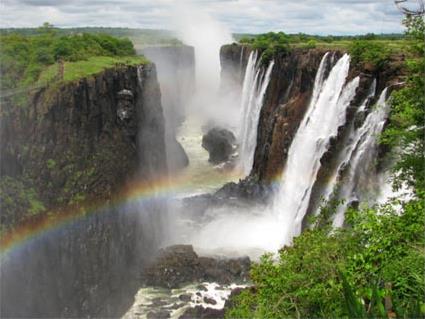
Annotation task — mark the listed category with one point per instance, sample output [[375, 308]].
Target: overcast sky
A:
[[253, 16]]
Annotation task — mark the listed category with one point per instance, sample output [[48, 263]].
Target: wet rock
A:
[[176, 306], [158, 302], [160, 314], [210, 301], [173, 266], [249, 189], [185, 297], [201, 287], [220, 143], [178, 265], [177, 155], [200, 312]]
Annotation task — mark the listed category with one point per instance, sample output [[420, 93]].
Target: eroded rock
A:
[[220, 143], [179, 264]]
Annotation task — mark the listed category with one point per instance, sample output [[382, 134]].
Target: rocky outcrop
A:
[[176, 75], [220, 144], [233, 60], [288, 96], [177, 265], [287, 99], [73, 145]]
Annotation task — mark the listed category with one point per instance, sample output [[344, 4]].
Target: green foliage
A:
[[369, 52], [78, 69], [314, 278], [18, 200], [246, 304], [51, 163], [269, 44], [311, 44], [23, 58], [406, 131]]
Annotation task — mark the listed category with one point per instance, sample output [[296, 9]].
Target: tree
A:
[[407, 129]]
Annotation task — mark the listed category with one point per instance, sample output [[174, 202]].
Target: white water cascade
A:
[[254, 87], [346, 153], [362, 156], [326, 113]]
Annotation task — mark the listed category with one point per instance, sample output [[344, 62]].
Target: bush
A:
[[319, 275], [370, 52], [268, 44], [22, 58]]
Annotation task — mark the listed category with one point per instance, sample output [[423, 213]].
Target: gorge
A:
[[112, 156]]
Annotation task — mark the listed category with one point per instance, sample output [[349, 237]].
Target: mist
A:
[[197, 28]]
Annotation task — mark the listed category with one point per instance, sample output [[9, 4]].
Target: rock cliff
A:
[[73, 144], [287, 99], [176, 75]]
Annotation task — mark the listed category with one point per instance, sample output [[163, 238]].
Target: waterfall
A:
[[254, 88], [345, 155], [362, 158], [140, 75], [325, 114]]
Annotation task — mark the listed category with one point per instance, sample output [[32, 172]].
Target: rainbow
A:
[[39, 225]]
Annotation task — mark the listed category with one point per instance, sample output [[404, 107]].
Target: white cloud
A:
[[254, 16]]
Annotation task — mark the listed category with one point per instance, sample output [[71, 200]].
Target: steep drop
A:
[[326, 113], [254, 87]]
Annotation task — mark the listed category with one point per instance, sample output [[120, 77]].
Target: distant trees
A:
[[363, 51], [22, 57], [269, 44]]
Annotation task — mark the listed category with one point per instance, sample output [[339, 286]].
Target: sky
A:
[[323, 17]]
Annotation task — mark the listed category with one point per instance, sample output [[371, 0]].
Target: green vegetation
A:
[[407, 126], [374, 267], [18, 201], [378, 47], [24, 57], [140, 37], [269, 44], [369, 52], [76, 70]]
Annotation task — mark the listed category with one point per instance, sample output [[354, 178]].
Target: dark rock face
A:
[[286, 101], [233, 60], [248, 190], [199, 312], [179, 264], [220, 143], [176, 75], [78, 143]]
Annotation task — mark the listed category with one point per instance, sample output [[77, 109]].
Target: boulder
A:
[[173, 266], [220, 144], [177, 265], [200, 312]]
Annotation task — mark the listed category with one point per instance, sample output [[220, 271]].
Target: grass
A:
[[396, 46], [77, 70]]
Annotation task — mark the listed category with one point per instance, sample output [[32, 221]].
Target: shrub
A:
[[370, 52]]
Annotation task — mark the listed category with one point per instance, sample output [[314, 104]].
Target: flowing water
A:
[[345, 155], [362, 160], [175, 301], [326, 113], [200, 176], [254, 87]]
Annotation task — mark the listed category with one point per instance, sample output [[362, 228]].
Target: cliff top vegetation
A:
[[47, 55], [370, 48]]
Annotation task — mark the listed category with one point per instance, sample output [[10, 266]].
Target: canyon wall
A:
[[64, 146], [176, 76], [287, 99]]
